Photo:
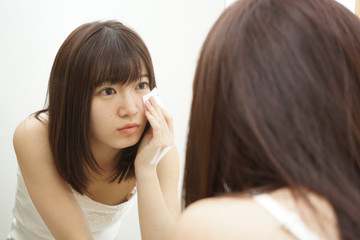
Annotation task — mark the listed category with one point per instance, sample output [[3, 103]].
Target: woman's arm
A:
[[50, 194], [158, 200]]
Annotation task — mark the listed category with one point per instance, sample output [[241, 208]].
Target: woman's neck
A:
[[106, 158]]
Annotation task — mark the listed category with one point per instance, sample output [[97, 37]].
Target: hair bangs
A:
[[117, 61]]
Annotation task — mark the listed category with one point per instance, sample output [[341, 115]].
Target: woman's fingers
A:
[[154, 109], [160, 121], [152, 120], [162, 137]]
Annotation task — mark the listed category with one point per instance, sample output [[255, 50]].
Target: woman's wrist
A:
[[144, 169]]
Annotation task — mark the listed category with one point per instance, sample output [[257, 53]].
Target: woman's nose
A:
[[128, 105]]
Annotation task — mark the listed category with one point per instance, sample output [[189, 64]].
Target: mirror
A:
[[32, 32]]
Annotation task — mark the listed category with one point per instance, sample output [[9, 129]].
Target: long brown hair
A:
[[276, 103], [93, 53]]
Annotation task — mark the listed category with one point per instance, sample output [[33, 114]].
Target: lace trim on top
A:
[[101, 216]]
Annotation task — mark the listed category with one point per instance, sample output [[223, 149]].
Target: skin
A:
[[107, 117], [113, 106], [240, 217]]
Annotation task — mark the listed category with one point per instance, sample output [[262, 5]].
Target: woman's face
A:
[[117, 117]]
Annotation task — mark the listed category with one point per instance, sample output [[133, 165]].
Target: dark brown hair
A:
[[276, 103], [93, 53]]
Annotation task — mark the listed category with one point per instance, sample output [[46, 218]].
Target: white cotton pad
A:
[[156, 95]]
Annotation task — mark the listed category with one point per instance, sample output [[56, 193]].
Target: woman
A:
[[85, 157], [274, 141]]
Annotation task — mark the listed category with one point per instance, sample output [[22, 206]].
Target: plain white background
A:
[[32, 32]]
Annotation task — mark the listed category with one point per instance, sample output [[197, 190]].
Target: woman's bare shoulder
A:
[[225, 218], [240, 217], [31, 138]]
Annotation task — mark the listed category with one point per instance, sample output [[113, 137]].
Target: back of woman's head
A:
[[276, 103]]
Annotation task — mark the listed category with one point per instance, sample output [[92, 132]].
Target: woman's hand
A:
[[157, 185], [158, 139]]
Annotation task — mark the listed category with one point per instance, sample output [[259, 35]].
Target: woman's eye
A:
[[107, 91], [142, 85]]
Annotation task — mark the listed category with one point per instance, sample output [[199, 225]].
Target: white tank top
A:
[[290, 220], [104, 220]]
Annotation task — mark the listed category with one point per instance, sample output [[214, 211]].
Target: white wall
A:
[[350, 4], [32, 32]]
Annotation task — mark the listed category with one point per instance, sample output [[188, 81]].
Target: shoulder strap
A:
[[290, 220], [44, 116]]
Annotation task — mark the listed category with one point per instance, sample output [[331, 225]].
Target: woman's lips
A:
[[129, 128]]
